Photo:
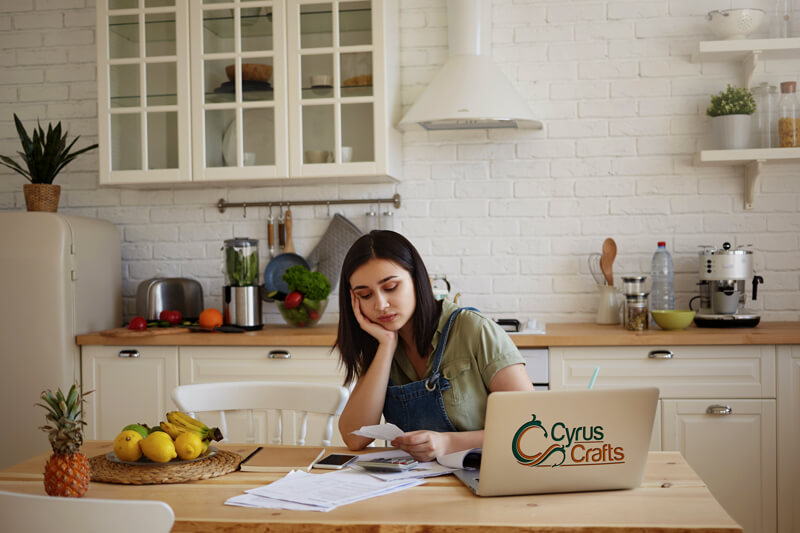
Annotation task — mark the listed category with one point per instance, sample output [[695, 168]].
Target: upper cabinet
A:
[[241, 91]]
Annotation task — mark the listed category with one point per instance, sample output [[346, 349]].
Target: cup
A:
[[347, 154], [725, 301], [609, 310], [320, 80], [318, 156], [249, 159]]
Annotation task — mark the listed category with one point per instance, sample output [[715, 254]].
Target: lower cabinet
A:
[[129, 385], [788, 439], [717, 407]]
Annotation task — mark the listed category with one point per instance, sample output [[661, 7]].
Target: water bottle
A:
[[662, 293]]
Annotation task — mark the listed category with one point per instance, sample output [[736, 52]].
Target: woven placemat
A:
[[218, 464]]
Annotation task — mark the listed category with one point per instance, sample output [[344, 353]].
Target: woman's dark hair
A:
[[357, 347]]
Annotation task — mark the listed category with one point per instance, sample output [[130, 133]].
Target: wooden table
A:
[[671, 498]]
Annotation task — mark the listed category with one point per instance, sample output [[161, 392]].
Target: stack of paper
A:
[[319, 492]]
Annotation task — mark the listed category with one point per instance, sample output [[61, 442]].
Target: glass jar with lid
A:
[[766, 97], [636, 316], [633, 284], [788, 116]]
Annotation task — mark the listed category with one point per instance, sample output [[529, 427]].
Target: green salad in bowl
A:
[[307, 299]]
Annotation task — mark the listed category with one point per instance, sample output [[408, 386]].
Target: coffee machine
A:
[[724, 274], [241, 302]]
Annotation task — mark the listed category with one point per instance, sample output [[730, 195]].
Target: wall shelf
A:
[[747, 51], [751, 159]]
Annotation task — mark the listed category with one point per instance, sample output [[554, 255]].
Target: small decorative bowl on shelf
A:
[[303, 315], [673, 319]]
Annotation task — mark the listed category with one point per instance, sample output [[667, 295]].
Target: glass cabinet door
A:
[[143, 91], [238, 75], [331, 96]]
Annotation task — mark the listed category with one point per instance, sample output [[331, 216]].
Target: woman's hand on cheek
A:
[[422, 445], [381, 334]]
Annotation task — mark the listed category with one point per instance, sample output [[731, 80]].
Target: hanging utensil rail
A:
[[222, 205]]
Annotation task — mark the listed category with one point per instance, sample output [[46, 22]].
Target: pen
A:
[[594, 377], [251, 455]]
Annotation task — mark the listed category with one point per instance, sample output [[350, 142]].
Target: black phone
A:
[[335, 461]]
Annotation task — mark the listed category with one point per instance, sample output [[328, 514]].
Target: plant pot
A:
[[41, 196], [732, 132]]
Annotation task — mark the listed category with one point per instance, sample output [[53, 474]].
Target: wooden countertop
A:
[[672, 498], [557, 335]]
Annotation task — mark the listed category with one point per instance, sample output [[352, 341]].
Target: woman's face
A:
[[385, 293]]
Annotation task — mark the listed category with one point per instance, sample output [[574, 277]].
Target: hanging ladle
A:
[[607, 260]]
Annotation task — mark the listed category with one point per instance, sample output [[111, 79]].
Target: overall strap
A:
[[430, 382]]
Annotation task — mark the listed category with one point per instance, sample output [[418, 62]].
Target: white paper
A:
[[422, 470], [329, 490], [456, 459], [387, 432]]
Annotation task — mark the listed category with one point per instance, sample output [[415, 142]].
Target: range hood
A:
[[470, 91]]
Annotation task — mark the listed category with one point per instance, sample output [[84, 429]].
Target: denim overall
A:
[[419, 405]]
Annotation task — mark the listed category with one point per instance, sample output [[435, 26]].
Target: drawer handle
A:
[[129, 353], [660, 354], [279, 354], [719, 410]]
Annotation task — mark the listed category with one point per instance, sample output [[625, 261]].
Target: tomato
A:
[[292, 300], [173, 317], [313, 315], [138, 323]]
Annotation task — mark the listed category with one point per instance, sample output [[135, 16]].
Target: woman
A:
[[427, 366]]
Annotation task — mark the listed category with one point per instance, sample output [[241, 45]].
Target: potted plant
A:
[[730, 112], [44, 156]]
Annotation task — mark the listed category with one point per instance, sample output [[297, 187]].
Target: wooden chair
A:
[[35, 513], [289, 401]]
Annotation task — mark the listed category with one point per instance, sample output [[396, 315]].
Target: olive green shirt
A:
[[476, 349]]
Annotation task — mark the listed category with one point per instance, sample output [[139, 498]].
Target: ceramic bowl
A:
[[735, 23], [305, 315], [673, 318]]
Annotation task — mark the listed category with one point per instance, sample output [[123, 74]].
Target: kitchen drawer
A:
[[679, 372], [205, 364]]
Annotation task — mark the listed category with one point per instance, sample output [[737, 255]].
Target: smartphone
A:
[[335, 461]]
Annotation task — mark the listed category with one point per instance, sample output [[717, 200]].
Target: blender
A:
[[241, 302], [724, 273]]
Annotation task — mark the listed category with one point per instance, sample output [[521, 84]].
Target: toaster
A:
[[169, 294]]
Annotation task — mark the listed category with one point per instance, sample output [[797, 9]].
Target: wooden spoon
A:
[[289, 246], [607, 260]]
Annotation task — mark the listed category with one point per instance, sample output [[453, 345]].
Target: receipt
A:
[[387, 432]]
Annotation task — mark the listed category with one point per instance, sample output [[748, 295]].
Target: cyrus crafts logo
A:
[[534, 445]]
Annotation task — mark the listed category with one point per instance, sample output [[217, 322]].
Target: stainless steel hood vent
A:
[[470, 91]]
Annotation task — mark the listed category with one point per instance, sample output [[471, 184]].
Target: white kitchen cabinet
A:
[[788, 439], [732, 450], [690, 379], [158, 128], [131, 384], [206, 364]]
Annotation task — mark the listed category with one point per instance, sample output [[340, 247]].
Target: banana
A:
[[171, 429], [187, 423]]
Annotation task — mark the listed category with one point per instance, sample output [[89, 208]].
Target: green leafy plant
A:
[[732, 101], [312, 285], [44, 154]]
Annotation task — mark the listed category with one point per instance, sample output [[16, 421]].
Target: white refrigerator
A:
[[60, 276]]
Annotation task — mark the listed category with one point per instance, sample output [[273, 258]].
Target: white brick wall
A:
[[510, 217]]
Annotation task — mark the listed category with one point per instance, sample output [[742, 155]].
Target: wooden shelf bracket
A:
[[749, 64], [752, 173]]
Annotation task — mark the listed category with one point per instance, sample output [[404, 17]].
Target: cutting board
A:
[[149, 332]]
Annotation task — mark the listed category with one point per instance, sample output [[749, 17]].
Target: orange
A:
[[210, 318]]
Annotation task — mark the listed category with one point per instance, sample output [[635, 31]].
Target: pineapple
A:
[[67, 471]]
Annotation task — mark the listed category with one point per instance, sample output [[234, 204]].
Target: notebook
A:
[[572, 441], [282, 459]]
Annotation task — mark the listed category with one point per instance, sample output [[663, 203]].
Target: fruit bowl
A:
[[673, 318], [734, 23], [305, 315]]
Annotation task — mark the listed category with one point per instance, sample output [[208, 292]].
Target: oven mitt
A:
[[328, 255]]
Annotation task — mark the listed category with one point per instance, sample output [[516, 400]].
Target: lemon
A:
[[126, 445], [189, 446], [158, 447]]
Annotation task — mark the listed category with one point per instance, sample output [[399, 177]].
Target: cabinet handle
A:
[[279, 354], [719, 410], [660, 354], [129, 353]]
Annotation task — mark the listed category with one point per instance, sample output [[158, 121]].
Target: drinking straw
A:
[[594, 377]]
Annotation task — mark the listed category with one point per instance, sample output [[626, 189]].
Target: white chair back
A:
[[282, 398], [30, 513]]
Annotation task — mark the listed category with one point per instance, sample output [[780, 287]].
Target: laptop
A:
[[570, 441]]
